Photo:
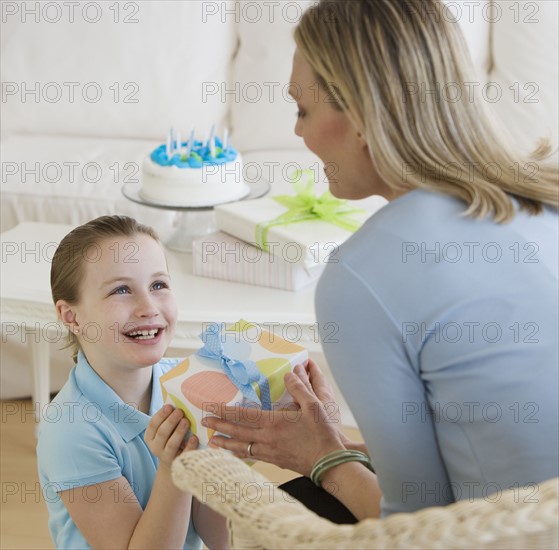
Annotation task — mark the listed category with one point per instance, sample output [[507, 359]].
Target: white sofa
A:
[[88, 88]]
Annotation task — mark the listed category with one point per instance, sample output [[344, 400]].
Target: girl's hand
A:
[[293, 438], [165, 435]]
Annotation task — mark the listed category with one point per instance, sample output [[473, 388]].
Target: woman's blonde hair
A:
[[381, 61], [79, 247]]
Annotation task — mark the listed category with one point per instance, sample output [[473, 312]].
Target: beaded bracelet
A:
[[335, 459]]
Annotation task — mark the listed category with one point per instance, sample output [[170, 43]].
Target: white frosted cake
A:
[[193, 174]]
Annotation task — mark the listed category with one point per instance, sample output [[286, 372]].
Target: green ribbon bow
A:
[[306, 205]]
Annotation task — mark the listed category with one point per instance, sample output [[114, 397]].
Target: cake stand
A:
[[191, 222]]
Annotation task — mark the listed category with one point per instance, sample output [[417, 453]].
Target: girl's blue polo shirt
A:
[[88, 435]]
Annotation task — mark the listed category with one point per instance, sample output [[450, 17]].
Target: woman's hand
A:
[[324, 391], [293, 438], [165, 435], [319, 385]]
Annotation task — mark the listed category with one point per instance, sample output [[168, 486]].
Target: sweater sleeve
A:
[[378, 374]]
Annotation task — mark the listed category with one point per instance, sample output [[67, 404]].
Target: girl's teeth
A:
[[143, 334]]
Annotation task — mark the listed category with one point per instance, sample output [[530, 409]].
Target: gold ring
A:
[[249, 448]]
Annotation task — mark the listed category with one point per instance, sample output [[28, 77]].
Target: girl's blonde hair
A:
[[380, 60], [77, 248]]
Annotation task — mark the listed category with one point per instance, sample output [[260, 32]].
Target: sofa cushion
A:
[[526, 61], [72, 180], [263, 115], [113, 69]]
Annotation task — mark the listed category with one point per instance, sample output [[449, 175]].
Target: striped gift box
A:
[[221, 256]]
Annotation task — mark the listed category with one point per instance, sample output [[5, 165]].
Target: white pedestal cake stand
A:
[[192, 222]]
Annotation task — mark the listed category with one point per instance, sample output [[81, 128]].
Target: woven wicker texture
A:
[[262, 516]]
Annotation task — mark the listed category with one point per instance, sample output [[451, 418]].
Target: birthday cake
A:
[[193, 173]]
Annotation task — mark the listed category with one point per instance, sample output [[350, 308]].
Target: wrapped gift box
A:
[[222, 256], [310, 243], [240, 364]]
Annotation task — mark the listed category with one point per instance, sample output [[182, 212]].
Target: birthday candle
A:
[[178, 143], [225, 139], [168, 147], [212, 147], [172, 148], [211, 141], [190, 144]]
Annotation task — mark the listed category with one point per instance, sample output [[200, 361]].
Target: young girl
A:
[[105, 463]]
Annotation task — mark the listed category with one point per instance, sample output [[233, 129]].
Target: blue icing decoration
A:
[[199, 156], [194, 162]]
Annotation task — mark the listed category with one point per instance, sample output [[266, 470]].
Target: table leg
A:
[[41, 376]]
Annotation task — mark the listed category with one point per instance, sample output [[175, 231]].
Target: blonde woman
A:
[[445, 302]]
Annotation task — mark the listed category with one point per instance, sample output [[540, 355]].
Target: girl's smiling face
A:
[[127, 313]]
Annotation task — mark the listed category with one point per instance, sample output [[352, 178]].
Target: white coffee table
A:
[[27, 308]]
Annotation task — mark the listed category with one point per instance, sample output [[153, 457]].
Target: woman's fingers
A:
[[320, 383], [300, 391], [311, 365], [316, 376], [313, 369], [239, 448], [236, 431], [247, 415], [300, 371]]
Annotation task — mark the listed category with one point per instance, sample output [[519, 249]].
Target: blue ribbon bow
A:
[[242, 373]]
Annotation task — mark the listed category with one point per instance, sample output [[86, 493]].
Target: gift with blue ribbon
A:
[[239, 364], [242, 373]]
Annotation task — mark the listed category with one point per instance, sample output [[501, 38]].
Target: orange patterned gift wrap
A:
[[240, 364]]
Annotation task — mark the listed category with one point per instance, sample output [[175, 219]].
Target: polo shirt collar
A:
[[129, 422]]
